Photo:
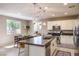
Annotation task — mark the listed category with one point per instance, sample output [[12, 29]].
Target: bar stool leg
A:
[[19, 52]]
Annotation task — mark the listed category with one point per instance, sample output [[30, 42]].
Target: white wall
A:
[[8, 39]]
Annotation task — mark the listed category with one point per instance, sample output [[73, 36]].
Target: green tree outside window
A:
[[12, 26]]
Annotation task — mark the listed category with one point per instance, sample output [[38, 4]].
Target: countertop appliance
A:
[[56, 31]]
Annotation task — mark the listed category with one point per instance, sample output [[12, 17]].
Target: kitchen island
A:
[[38, 46]]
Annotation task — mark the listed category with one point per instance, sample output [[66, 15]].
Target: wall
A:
[[8, 39]]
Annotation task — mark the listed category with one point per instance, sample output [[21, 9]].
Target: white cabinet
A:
[[53, 46], [36, 50], [67, 39], [65, 24]]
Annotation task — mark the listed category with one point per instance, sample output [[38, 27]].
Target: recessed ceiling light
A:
[[46, 8], [44, 23], [65, 13], [53, 14], [65, 3]]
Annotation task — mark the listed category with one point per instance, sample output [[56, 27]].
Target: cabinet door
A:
[[53, 47], [36, 50], [65, 39], [48, 51], [47, 48]]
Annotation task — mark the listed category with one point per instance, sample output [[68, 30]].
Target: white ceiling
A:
[[28, 11]]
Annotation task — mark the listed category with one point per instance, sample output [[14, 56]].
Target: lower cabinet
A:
[[53, 46], [66, 39], [47, 48]]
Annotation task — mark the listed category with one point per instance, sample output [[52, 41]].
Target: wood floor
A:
[[66, 50], [62, 53]]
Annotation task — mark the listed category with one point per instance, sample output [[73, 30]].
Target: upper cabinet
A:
[[65, 24]]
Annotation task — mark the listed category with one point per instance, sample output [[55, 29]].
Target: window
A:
[[37, 26], [13, 27]]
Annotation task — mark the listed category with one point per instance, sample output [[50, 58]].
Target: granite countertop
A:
[[38, 41], [61, 32], [67, 32]]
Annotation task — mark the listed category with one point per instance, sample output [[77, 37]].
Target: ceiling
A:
[[30, 11]]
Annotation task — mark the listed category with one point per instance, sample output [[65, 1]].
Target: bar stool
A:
[[15, 41], [21, 46]]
